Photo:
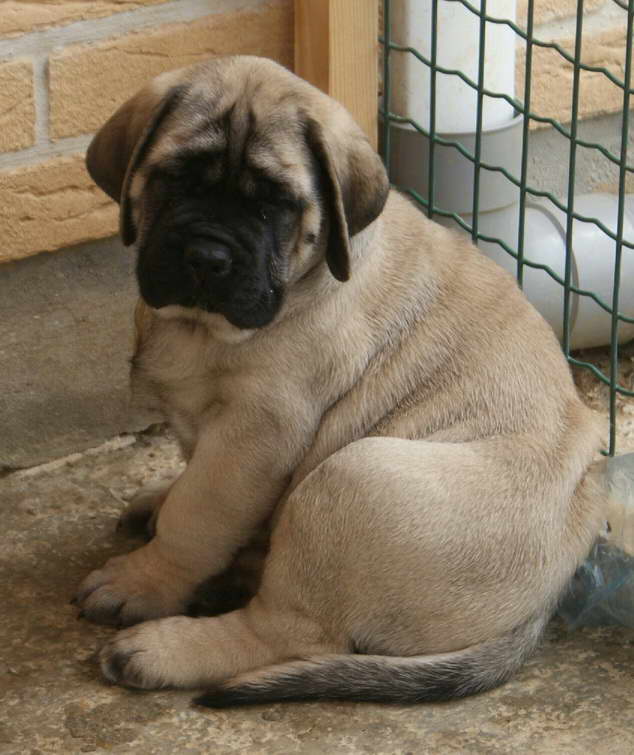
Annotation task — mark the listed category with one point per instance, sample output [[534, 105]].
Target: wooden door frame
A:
[[336, 49]]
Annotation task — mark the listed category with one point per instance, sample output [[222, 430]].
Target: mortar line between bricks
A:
[[36, 154], [40, 95], [118, 24], [604, 18]]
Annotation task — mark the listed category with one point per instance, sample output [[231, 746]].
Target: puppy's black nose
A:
[[208, 259]]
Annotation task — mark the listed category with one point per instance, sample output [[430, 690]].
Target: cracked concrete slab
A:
[[574, 696]]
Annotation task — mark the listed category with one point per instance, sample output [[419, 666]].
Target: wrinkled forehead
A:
[[255, 129]]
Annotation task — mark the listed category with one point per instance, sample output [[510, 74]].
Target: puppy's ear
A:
[[121, 144], [356, 186]]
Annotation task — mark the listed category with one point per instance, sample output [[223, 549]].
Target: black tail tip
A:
[[220, 697]]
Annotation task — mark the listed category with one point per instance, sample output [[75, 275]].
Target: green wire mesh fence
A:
[[522, 108]]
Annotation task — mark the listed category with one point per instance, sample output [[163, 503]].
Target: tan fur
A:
[[414, 432]]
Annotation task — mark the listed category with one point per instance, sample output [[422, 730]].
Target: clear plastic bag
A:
[[602, 590]]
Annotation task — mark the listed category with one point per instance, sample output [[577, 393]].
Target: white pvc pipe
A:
[[593, 262], [458, 39]]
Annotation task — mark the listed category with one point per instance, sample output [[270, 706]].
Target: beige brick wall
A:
[[603, 44], [66, 65], [100, 75], [553, 77], [23, 16], [52, 204], [550, 10], [17, 111]]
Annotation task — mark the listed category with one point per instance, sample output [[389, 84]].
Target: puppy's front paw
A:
[[133, 588], [155, 654], [139, 517]]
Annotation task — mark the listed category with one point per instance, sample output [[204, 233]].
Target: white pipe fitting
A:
[[593, 262]]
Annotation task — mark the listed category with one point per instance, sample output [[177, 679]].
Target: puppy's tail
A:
[[385, 679]]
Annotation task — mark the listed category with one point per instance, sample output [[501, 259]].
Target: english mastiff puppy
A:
[[355, 377]]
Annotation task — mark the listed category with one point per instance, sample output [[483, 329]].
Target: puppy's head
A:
[[235, 178]]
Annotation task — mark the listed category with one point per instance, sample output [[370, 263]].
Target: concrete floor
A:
[[575, 696]]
